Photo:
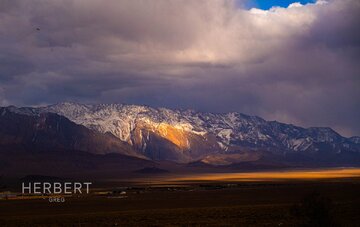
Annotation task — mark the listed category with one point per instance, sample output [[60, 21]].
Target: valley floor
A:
[[216, 203]]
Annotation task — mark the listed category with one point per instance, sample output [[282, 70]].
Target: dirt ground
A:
[[208, 204]]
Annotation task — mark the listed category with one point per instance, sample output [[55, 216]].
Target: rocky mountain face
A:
[[221, 139], [26, 130]]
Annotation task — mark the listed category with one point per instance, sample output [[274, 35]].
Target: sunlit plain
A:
[[318, 174]]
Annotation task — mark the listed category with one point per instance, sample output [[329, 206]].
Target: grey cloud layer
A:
[[297, 64]]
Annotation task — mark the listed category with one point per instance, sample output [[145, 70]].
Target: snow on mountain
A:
[[28, 130], [188, 135], [355, 139], [231, 129]]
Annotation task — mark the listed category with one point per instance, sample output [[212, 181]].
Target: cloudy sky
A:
[[296, 63]]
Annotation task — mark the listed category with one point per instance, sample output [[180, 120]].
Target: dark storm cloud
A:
[[296, 64], [343, 17]]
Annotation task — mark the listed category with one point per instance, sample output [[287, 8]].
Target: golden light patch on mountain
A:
[[174, 135]]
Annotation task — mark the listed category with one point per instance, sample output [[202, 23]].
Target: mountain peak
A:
[[188, 135]]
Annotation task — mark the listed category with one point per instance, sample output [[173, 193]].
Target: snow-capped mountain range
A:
[[188, 135]]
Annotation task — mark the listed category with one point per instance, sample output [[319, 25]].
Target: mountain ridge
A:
[[32, 131], [186, 135]]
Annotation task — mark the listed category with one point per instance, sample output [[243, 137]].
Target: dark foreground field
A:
[[209, 204]]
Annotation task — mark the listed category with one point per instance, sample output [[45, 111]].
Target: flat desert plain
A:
[[272, 198]]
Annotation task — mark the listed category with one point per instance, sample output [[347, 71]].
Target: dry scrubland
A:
[[202, 202]]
